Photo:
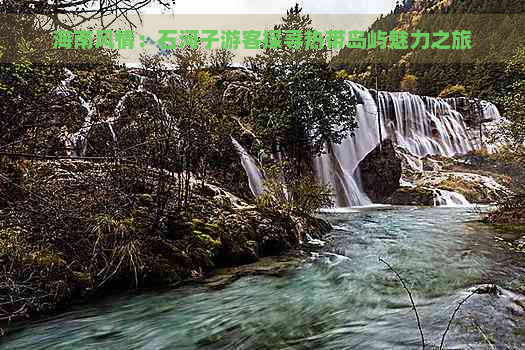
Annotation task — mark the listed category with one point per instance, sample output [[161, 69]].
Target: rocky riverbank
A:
[[74, 228]]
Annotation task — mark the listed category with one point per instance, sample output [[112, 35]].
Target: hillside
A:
[[400, 71]]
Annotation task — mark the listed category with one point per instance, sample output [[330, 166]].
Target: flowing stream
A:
[[341, 297]]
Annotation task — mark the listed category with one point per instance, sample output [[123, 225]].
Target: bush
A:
[[510, 210], [453, 91], [409, 83], [293, 193]]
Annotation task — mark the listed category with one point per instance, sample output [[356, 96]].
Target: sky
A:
[[280, 6]]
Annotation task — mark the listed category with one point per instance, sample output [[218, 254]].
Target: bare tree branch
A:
[[452, 318], [411, 300]]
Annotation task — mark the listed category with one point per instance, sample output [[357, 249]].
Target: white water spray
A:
[[450, 199], [76, 142], [422, 125], [338, 167], [255, 178]]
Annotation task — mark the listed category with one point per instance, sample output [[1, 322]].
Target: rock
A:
[[270, 266], [476, 188], [412, 196], [380, 172], [176, 226], [437, 173], [486, 289], [430, 164], [99, 141], [316, 227]]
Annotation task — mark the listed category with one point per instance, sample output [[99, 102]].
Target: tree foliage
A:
[[513, 131], [299, 103], [292, 193], [484, 78]]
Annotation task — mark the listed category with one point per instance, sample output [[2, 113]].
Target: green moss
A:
[[83, 278], [197, 222], [201, 227], [511, 228], [207, 240], [145, 199], [453, 90], [47, 259], [9, 233], [9, 239]]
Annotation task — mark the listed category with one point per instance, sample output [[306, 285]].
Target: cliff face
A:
[[421, 125], [380, 172]]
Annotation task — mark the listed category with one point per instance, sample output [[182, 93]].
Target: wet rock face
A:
[[412, 196], [380, 172], [439, 173], [476, 188]]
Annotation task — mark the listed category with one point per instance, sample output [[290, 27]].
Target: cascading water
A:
[[450, 199], [422, 125], [338, 166], [119, 109], [76, 142], [255, 178]]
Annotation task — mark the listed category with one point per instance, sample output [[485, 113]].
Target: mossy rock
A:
[[473, 191], [48, 259], [412, 196], [84, 279]]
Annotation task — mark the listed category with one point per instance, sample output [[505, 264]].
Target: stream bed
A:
[[340, 297]]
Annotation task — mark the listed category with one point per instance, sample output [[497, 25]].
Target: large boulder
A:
[[417, 195], [380, 172]]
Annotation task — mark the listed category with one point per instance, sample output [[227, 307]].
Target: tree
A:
[[32, 111], [513, 130], [299, 104], [85, 10], [220, 59]]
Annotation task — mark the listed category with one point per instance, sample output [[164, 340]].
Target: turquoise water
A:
[[340, 298]]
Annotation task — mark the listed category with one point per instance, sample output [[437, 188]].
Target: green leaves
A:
[[302, 107], [513, 131]]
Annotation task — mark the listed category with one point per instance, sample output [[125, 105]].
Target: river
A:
[[341, 297]]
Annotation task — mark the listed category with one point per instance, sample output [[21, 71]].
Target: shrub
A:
[[293, 193], [453, 91], [409, 82]]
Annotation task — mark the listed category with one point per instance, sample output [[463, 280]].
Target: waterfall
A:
[[449, 199], [422, 125], [338, 165], [168, 119], [255, 178], [76, 142]]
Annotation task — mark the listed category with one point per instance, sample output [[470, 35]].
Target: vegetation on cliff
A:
[[113, 177], [485, 78], [296, 105], [73, 228]]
